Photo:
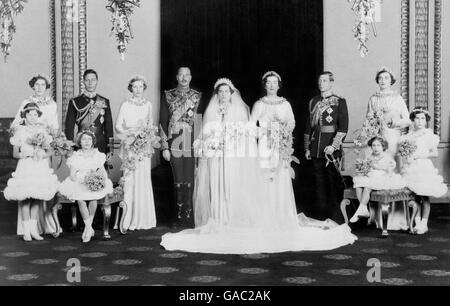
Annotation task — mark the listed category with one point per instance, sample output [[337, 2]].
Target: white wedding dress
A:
[[238, 209]]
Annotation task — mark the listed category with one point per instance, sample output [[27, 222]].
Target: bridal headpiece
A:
[[224, 81], [271, 73], [388, 70]]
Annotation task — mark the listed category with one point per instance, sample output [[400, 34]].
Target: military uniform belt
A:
[[328, 129]]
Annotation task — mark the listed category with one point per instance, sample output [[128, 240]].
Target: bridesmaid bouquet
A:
[[363, 166], [140, 144], [61, 145], [406, 148], [39, 141], [95, 180], [280, 138], [373, 126]]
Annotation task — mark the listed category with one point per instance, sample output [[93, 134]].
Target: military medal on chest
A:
[[329, 118]]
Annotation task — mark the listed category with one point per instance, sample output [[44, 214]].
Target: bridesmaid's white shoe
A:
[[26, 231], [34, 230], [361, 212]]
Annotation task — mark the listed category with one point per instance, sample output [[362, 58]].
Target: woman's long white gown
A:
[[256, 217], [138, 190]]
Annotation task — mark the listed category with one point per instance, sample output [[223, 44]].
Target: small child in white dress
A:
[[381, 176], [84, 164], [33, 181], [418, 170]]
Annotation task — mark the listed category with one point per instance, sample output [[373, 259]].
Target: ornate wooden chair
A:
[[381, 203], [106, 203]]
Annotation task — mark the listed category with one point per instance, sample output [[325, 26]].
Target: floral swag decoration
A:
[[121, 11], [8, 10], [365, 19]]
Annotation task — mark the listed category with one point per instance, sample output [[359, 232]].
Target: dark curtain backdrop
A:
[[242, 39]]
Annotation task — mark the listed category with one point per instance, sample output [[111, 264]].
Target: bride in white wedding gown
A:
[[241, 205]]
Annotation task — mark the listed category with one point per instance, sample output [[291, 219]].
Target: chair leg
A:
[[123, 205], [116, 221], [406, 210], [384, 207], [106, 209], [73, 210], [344, 204]]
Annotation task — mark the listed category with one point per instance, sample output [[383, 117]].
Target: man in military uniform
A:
[[178, 117], [90, 111], [327, 126]]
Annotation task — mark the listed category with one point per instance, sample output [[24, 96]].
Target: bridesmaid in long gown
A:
[[396, 117], [136, 113], [40, 84], [270, 111]]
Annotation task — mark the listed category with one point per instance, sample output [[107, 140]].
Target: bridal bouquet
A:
[[211, 143], [139, 144], [406, 148], [363, 166], [373, 126], [95, 180]]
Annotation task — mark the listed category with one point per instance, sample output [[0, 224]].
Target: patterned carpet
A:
[[137, 259]]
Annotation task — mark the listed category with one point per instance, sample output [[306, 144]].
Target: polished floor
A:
[[138, 259]]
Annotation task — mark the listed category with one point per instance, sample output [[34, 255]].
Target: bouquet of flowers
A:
[[95, 180], [373, 126], [140, 144], [406, 148], [363, 166], [211, 143], [40, 142], [280, 138], [61, 145]]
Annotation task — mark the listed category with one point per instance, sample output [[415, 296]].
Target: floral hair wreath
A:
[[138, 77], [386, 69], [269, 73], [224, 81], [43, 76], [421, 110]]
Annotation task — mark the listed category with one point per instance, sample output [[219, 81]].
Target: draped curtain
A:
[[242, 39]]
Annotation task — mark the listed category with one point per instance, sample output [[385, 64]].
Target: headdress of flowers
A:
[[138, 77], [386, 69], [269, 73], [30, 108], [421, 110], [121, 11], [224, 81], [43, 76], [8, 10]]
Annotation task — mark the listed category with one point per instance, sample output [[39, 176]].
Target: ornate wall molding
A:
[[67, 54], [437, 65], [82, 41], [52, 11], [421, 53], [405, 41]]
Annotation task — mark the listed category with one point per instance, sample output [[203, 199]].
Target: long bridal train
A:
[[242, 206]]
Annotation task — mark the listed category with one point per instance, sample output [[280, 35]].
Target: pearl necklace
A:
[[273, 101]]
